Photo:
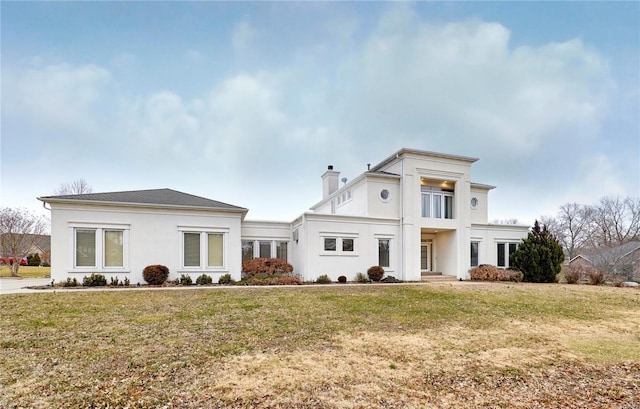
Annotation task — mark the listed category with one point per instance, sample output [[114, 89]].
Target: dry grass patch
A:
[[26, 271], [466, 346]]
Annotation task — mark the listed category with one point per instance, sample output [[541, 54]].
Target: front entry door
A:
[[425, 257]]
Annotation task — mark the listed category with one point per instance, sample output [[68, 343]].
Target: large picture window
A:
[[203, 250], [281, 250], [247, 250], [99, 248]]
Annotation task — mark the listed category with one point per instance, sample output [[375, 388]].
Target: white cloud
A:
[[59, 96], [242, 36]]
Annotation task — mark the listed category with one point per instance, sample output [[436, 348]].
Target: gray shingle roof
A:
[[158, 197]]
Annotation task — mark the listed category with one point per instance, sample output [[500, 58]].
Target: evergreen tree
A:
[[33, 259], [539, 257]]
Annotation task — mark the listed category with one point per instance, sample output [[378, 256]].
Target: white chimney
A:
[[329, 182]]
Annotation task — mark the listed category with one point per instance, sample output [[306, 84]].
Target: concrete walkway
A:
[[9, 285]]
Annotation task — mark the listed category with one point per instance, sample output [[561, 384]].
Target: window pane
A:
[[501, 255], [474, 253], [265, 249], [85, 248], [247, 250], [512, 249], [424, 257], [329, 244], [448, 207], [113, 249], [214, 250], [192, 249], [281, 250], [347, 244], [437, 206], [426, 205], [383, 252]]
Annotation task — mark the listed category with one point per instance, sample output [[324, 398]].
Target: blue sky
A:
[[247, 103]]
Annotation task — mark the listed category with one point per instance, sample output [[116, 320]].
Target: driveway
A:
[[17, 285]]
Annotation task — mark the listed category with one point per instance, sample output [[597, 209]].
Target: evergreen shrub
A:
[[155, 274], [375, 273]]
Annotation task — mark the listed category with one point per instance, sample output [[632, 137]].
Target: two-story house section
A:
[[414, 213]]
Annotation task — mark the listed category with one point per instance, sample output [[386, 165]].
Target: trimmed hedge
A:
[[155, 274]]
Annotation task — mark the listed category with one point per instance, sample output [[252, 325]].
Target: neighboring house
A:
[[623, 260], [41, 246], [416, 212]]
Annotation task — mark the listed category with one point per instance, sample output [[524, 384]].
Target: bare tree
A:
[[615, 221], [573, 227], [77, 187], [19, 231]]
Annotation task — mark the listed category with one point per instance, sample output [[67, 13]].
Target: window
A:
[[474, 202], [436, 202], [340, 246], [99, 248], [192, 249], [329, 244], [203, 250], [265, 249], [383, 252], [215, 250], [504, 253], [384, 195], [113, 248], [281, 250], [474, 253], [247, 250], [85, 248]]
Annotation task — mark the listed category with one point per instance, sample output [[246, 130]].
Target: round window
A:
[[384, 194], [474, 202]]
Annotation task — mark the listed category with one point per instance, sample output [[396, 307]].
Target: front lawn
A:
[[462, 345], [26, 271]]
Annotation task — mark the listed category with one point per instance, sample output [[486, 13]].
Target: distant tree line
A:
[[610, 223]]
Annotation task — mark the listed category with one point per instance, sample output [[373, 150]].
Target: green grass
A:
[[26, 272], [231, 347]]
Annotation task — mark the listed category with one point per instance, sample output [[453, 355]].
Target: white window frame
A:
[[391, 239], [204, 249], [507, 254], [273, 249], [100, 262], [339, 237]]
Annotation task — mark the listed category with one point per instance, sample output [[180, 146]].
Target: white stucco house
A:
[[414, 213]]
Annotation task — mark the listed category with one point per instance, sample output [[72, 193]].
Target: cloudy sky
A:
[[247, 103]]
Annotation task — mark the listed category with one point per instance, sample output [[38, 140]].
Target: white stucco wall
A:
[[365, 232], [152, 236]]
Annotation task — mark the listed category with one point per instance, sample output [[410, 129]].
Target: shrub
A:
[[271, 280], [487, 272], [71, 282], [342, 279], [323, 279], [33, 260], [268, 266], [596, 277], [126, 282], [185, 279], [539, 256], [574, 274], [375, 273], [114, 281], [155, 274], [94, 280], [204, 279], [390, 279], [226, 279], [361, 278], [45, 264]]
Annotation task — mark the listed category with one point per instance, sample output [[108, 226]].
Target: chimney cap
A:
[[330, 167]]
